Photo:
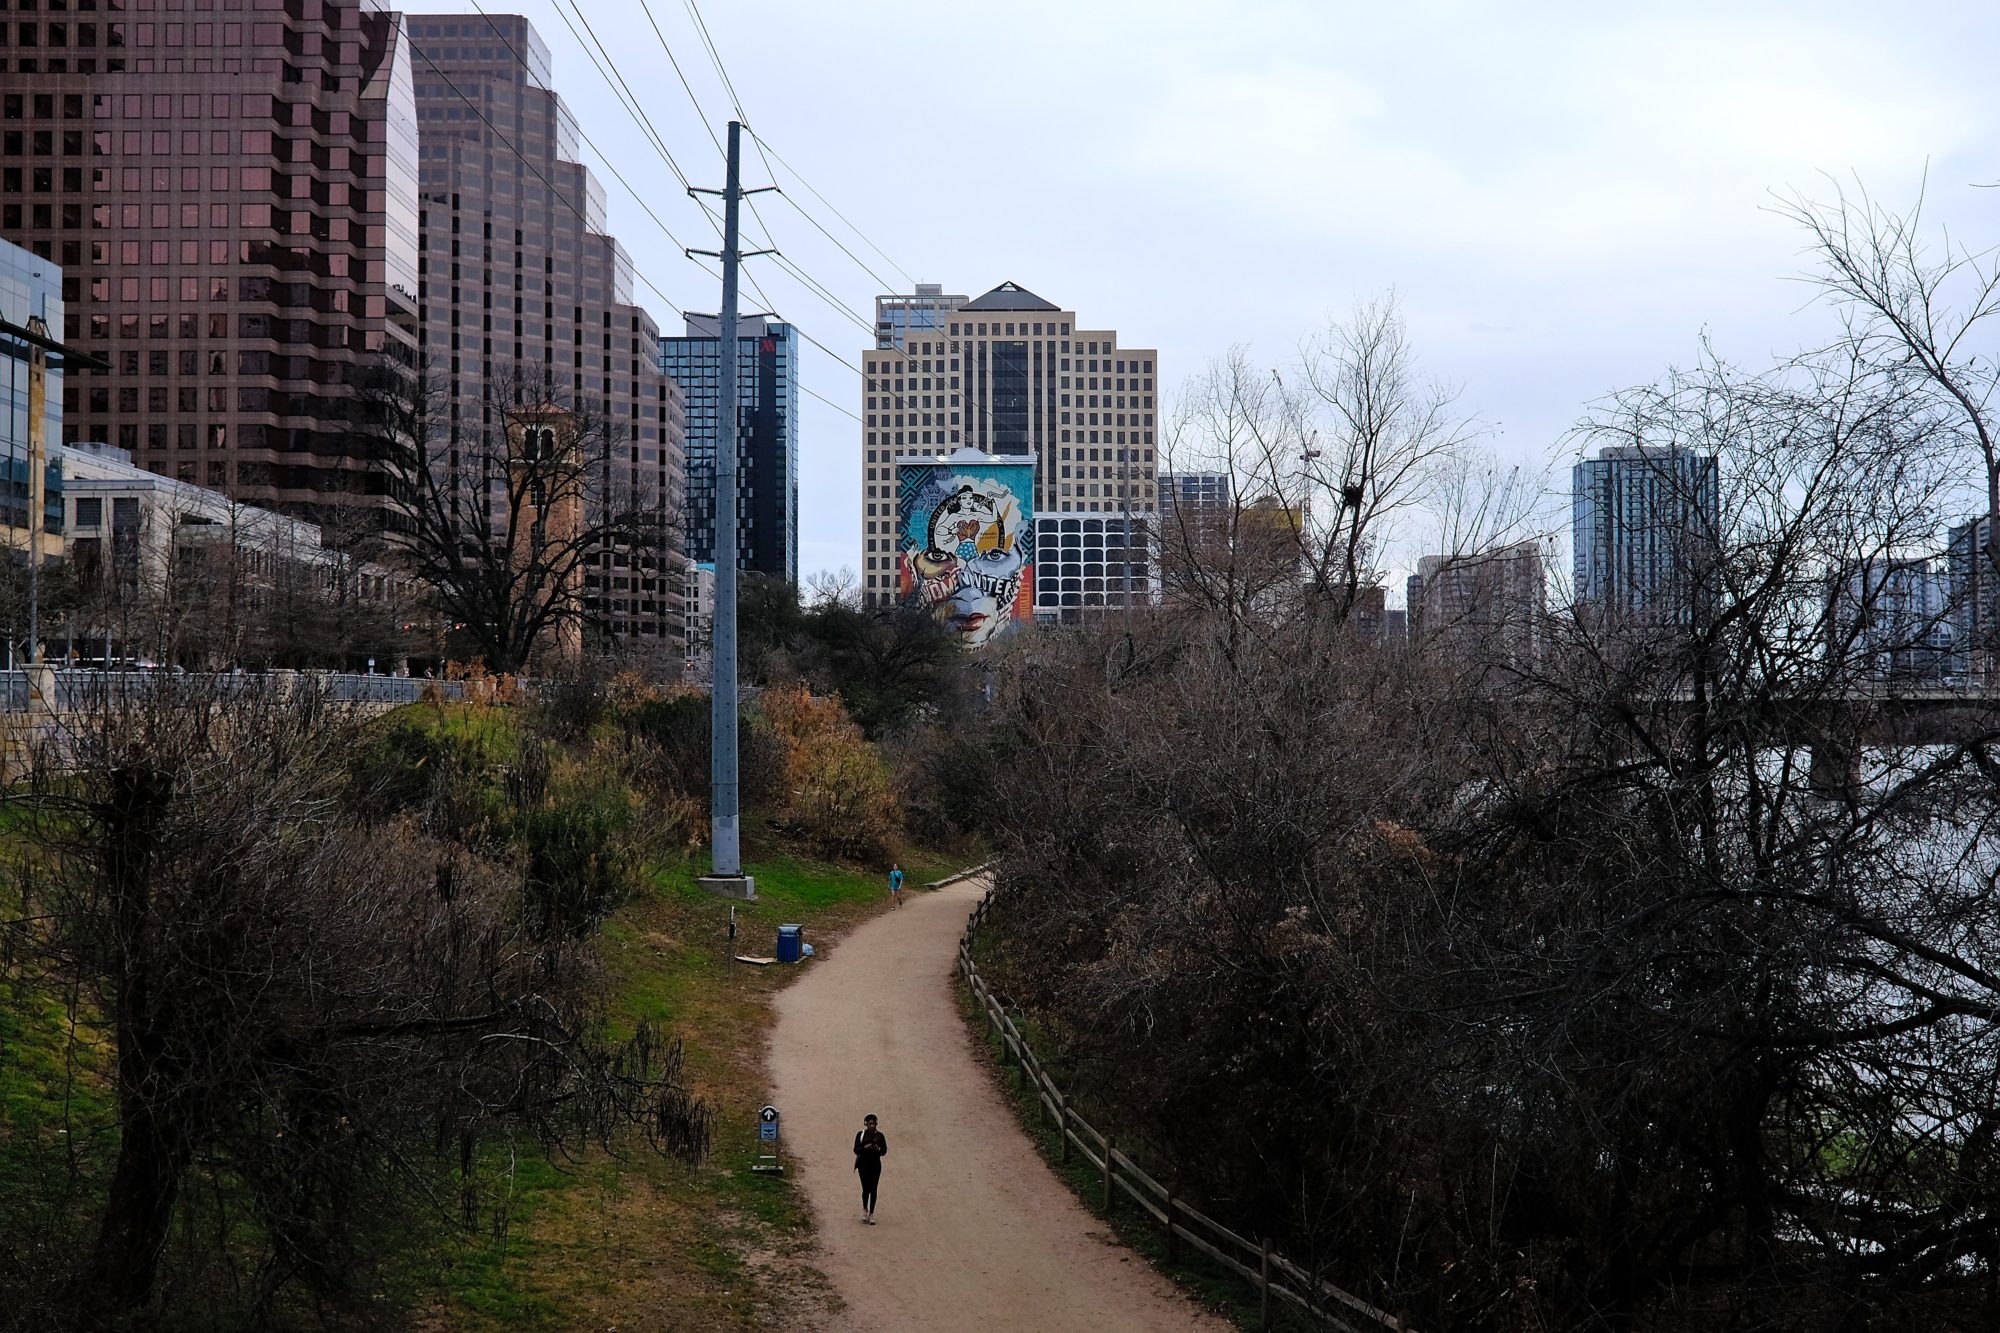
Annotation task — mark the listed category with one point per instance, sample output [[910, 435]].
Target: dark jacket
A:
[[869, 1150]]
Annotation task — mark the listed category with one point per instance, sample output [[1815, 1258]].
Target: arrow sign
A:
[[767, 1127]]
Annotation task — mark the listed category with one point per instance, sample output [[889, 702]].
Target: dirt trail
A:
[[972, 1229]]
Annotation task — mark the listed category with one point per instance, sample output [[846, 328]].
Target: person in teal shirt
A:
[[895, 884]]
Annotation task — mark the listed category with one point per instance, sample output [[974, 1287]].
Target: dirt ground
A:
[[972, 1229]]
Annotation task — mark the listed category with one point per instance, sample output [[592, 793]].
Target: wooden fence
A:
[[1273, 1275]]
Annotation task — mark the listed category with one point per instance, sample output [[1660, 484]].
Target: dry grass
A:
[[631, 1241]]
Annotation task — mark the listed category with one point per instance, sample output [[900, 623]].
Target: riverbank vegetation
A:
[[311, 1020], [1630, 965]]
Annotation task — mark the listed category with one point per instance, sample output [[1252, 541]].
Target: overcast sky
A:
[[1564, 197]]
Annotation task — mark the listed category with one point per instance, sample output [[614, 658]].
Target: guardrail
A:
[[75, 690], [1271, 1273]]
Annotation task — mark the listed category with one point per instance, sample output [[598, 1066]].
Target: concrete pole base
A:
[[741, 888]]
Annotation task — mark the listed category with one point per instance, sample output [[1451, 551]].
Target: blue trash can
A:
[[788, 944]]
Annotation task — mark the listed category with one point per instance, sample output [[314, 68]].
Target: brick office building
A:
[[232, 194]]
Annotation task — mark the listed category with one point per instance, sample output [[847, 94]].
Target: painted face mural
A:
[[966, 549]]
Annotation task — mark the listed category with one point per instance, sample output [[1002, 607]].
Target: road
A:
[[973, 1231]]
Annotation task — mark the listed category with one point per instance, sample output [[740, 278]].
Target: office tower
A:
[[30, 289], [1645, 530], [1011, 374], [699, 637], [170, 568], [922, 312], [1191, 493], [1892, 617], [232, 194], [767, 439], [1487, 605], [1973, 588], [525, 295]]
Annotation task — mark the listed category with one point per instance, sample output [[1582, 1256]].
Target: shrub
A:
[[840, 797], [447, 778], [668, 738]]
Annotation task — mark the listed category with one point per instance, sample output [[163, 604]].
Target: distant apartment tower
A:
[[232, 194], [767, 439], [1195, 523], [525, 297], [1892, 617], [1487, 605], [1973, 588], [1195, 492], [1645, 526], [700, 633], [897, 318], [1011, 374]]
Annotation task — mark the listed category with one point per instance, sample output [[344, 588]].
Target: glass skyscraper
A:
[[1645, 530], [30, 288], [767, 439]]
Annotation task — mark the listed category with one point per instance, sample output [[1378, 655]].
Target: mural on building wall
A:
[[967, 542]]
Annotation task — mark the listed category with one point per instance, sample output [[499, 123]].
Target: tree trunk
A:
[[138, 1209], [152, 1150]]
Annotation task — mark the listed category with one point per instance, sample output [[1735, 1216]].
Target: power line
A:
[[830, 403], [554, 192], [699, 113], [638, 113], [761, 145], [813, 285], [701, 30]]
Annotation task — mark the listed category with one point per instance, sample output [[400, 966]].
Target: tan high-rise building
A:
[[527, 294], [1011, 374], [231, 191], [1488, 604]]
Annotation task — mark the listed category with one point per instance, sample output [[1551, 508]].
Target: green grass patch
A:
[[488, 1272], [719, 1248]]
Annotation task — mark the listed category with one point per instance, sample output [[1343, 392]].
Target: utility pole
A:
[[724, 821]]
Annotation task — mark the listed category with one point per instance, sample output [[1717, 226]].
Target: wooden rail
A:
[[1273, 1275], [958, 875]]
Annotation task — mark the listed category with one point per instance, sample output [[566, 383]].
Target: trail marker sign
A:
[[767, 1163]]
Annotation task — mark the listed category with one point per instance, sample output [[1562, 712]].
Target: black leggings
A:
[[869, 1180]]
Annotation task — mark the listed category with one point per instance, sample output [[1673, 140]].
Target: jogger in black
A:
[[869, 1150]]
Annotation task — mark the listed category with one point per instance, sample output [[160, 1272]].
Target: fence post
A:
[[1264, 1286], [1110, 1152], [1173, 1237], [1062, 1128]]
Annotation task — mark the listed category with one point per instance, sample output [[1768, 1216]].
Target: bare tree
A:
[[1380, 435], [1331, 460], [1659, 990], [1917, 307], [317, 1022], [507, 516]]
